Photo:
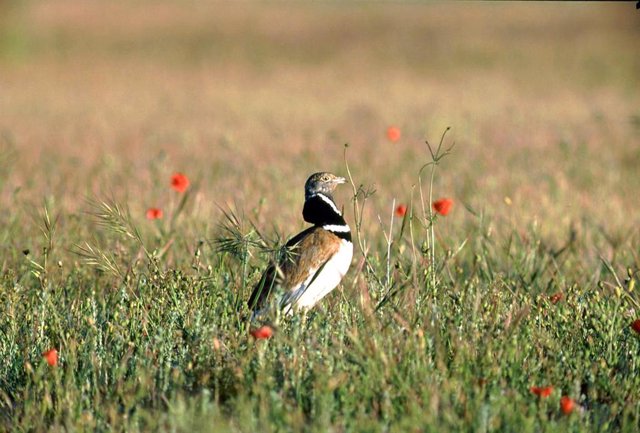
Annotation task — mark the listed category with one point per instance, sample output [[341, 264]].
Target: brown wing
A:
[[311, 253], [309, 249]]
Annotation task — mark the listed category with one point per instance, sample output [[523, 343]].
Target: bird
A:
[[315, 260]]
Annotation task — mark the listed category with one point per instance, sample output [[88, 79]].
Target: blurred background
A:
[[248, 99]]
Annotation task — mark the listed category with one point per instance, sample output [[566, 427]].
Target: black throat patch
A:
[[320, 210]]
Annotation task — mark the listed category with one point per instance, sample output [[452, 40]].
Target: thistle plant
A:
[[237, 239]]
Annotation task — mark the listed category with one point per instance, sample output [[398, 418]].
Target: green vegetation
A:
[[531, 280]]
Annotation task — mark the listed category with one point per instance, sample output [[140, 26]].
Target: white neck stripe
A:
[[330, 202], [337, 228]]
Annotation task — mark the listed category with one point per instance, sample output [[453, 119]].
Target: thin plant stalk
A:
[[413, 242], [357, 215], [358, 211], [431, 227], [436, 157], [389, 240]]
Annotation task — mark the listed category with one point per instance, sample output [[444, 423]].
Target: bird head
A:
[[323, 182]]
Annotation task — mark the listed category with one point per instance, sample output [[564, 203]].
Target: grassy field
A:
[[442, 324]]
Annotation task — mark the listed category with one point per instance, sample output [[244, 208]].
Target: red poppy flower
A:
[[635, 325], [262, 333], [51, 356], [443, 206], [556, 297], [179, 182], [542, 391], [393, 133], [567, 404], [154, 213], [401, 210]]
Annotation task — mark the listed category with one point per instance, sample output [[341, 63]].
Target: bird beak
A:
[[339, 180]]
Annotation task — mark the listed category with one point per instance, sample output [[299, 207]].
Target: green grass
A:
[[443, 330], [148, 345]]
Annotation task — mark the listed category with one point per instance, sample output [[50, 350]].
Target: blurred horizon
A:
[[542, 99]]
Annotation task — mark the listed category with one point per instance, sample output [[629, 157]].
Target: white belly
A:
[[316, 287]]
